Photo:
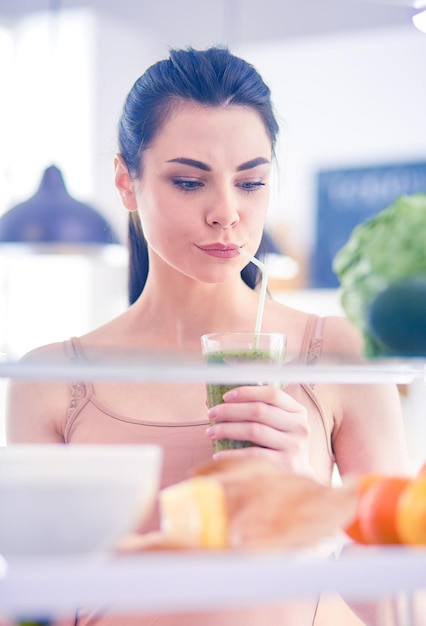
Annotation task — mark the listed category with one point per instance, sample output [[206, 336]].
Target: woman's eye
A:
[[251, 186], [187, 185]]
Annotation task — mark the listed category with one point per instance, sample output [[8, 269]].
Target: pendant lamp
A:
[[51, 215]]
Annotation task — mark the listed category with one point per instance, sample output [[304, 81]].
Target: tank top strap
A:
[[79, 390], [69, 350], [74, 349], [312, 341], [310, 352]]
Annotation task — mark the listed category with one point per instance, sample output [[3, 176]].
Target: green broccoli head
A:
[[383, 250]]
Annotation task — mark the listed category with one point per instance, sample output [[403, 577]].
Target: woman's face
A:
[[204, 190]]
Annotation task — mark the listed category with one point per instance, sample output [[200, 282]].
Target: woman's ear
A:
[[124, 184]]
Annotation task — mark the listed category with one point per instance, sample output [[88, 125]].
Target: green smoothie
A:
[[215, 392]]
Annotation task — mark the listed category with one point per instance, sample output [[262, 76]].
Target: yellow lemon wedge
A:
[[194, 513]]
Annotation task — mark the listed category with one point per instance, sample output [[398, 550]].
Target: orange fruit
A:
[[353, 530], [411, 513], [377, 515]]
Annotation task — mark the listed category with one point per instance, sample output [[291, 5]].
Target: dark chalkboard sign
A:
[[348, 197]]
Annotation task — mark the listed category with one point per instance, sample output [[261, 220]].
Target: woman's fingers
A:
[[276, 425], [256, 432], [267, 406], [262, 393]]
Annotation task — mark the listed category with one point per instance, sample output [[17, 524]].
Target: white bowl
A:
[[74, 499]]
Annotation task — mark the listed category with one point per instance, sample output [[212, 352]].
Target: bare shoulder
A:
[[341, 337], [49, 352], [36, 407]]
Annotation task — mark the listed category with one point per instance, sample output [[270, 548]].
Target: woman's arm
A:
[[369, 433]]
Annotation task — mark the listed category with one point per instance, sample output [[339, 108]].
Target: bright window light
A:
[[50, 101], [419, 21]]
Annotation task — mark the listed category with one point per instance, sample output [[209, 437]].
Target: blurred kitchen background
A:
[[348, 83]]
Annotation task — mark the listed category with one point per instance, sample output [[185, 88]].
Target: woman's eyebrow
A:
[[253, 163], [206, 168], [192, 162]]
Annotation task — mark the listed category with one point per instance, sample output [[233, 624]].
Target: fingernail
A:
[[211, 413], [210, 432], [230, 395]]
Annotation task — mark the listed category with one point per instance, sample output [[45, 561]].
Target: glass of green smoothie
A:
[[239, 349]]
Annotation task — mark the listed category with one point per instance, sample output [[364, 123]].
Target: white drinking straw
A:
[[263, 287]]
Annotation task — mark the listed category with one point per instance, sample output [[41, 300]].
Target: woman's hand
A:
[[272, 420]]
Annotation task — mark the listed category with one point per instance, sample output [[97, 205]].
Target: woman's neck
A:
[[185, 310]]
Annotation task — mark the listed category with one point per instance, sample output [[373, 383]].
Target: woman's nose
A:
[[224, 210]]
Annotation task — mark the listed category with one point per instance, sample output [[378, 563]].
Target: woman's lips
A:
[[220, 250]]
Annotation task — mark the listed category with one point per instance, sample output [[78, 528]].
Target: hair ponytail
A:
[[138, 258]]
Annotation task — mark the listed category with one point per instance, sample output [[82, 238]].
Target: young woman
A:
[[196, 141]]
